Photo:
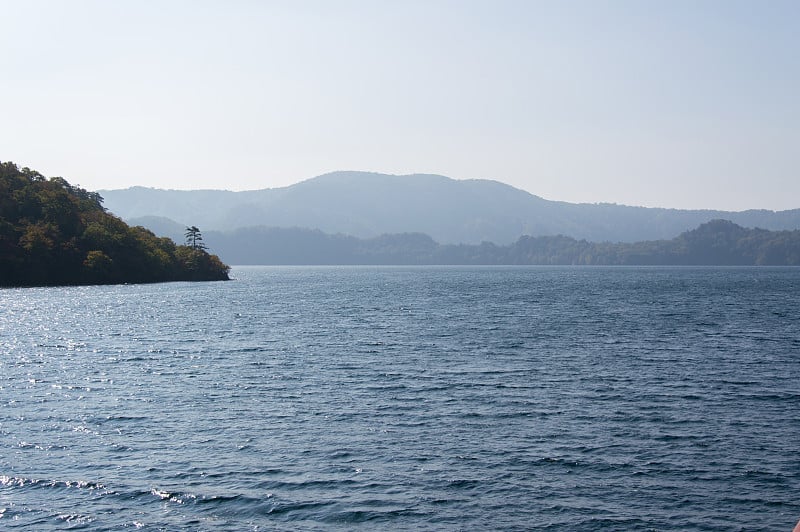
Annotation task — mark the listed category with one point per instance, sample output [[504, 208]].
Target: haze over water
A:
[[405, 398]]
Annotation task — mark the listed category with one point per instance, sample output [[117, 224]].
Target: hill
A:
[[367, 205], [717, 243], [52, 233]]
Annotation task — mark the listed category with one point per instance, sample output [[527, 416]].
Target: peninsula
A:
[[54, 233]]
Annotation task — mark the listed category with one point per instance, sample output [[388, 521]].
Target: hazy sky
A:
[[670, 103]]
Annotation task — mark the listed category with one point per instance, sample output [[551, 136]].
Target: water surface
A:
[[405, 398]]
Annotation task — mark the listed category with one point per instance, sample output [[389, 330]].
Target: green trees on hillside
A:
[[54, 233], [717, 243]]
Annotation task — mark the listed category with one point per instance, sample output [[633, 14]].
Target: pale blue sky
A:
[[674, 103]]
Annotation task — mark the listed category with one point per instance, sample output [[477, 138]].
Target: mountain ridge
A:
[[715, 243], [368, 204]]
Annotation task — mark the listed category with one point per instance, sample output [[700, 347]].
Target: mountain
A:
[[161, 226], [717, 243], [367, 205]]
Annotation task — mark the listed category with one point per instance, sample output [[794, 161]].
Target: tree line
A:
[[718, 242]]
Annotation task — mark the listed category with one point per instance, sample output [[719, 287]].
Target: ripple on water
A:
[[405, 398]]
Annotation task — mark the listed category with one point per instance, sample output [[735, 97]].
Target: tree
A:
[[98, 265], [194, 239]]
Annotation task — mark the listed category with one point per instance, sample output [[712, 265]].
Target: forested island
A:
[[53, 233], [716, 243]]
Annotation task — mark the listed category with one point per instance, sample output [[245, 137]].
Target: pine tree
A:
[[194, 239]]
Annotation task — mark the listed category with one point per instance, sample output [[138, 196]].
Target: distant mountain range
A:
[[718, 243], [367, 205]]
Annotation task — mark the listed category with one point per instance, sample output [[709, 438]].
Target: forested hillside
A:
[[53, 233], [718, 243]]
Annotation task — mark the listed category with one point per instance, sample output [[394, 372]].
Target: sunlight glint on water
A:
[[405, 398]]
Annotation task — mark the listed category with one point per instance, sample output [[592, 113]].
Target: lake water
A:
[[405, 398]]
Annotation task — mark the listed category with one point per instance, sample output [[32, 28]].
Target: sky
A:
[[672, 103]]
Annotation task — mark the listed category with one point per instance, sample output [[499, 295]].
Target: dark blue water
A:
[[405, 398]]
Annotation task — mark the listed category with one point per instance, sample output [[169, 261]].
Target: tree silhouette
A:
[[194, 239]]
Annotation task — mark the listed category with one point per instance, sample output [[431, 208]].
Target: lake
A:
[[403, 398]]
